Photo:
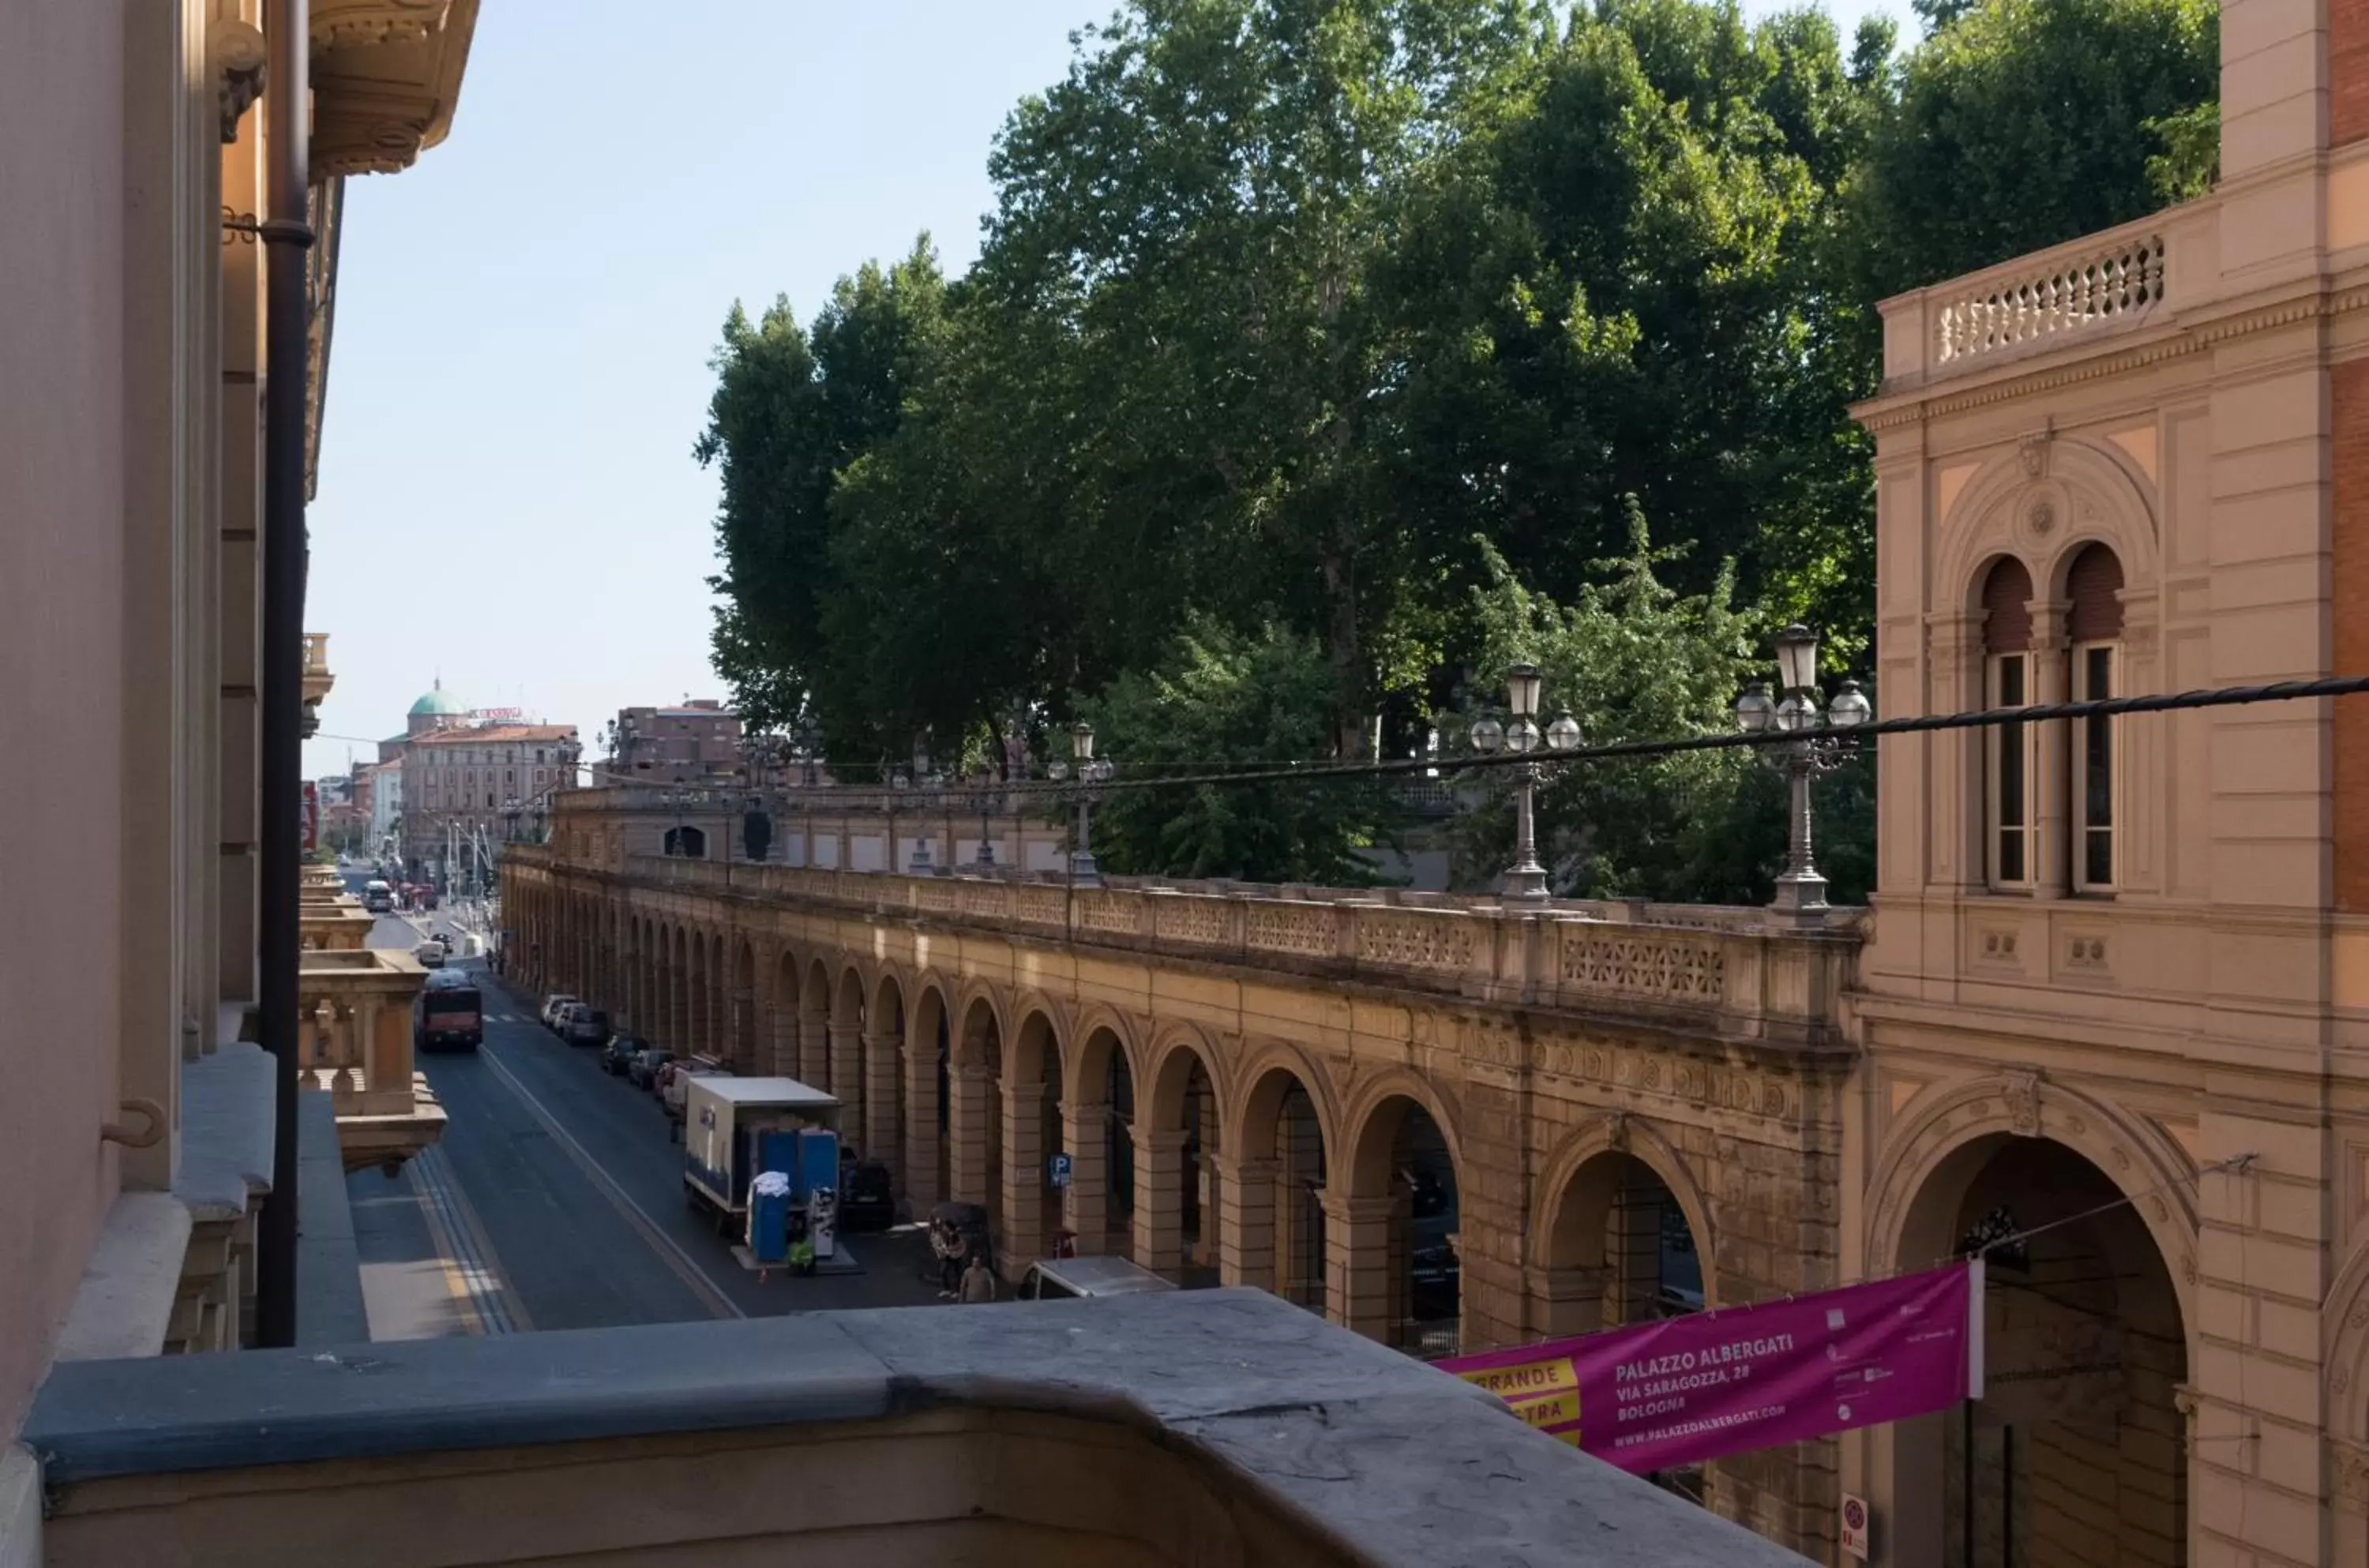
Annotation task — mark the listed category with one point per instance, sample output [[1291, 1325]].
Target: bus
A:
[[447, 1014]]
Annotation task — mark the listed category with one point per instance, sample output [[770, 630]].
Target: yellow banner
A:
[[1510, 1383], [1554, 1410]]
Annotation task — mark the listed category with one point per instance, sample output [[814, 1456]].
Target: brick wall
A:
[[2348, 71], [2349, 421]]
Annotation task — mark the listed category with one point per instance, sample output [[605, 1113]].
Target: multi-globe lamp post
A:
[[1818, 741], [1525, 879], [1090, 770]]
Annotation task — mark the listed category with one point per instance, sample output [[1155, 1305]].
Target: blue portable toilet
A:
[[768, 1217]]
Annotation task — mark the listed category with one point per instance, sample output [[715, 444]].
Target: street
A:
[[555, 1201]]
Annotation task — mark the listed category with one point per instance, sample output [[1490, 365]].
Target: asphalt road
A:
[[555, 1200]]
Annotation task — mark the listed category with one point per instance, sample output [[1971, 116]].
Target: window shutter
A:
[[2006, 598], [2095, 585]]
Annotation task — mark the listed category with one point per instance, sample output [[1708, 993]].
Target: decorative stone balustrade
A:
[[2100, 286], [1699, 967], [354, 1040]]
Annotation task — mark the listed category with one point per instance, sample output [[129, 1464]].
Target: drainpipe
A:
[[287, 238]]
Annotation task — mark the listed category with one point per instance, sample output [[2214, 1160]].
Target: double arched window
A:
[[2021, 781]]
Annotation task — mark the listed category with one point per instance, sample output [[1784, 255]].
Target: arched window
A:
[[2007, 749], [2093, 587]]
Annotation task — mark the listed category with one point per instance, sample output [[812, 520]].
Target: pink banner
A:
[[1689, 1389]]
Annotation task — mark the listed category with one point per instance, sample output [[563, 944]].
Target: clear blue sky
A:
[[524, 318]]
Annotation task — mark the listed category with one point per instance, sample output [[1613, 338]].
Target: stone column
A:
[[1023, 1178], [814, 1051], [1160, 1199], [969, 1128], [1633, 1251], [879, 1121], [1565, 1301], [1246, 1220], [920, 1175], [2052, 800], [1083, 1206], [1358, 1264], [847, 1072]]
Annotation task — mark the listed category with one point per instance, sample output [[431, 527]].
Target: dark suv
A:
[[619, 1053]]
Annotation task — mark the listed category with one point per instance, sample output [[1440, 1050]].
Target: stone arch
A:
[[884, 1020], [2142, 1163], [980, 1009], [1264, 1060], [1179, 1135], [2115, 1245], [928, 1104], [848, 1079], [1392, 1215], [1280, 1221], [1084, 1039], [2344, 1328], [1373, 1097], [2043, 500], [1098, 1078], [783, 1030], [1031, 1129], [1619, 1132], [814, 1022]]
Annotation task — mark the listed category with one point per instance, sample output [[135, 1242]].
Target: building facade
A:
[[131, 609], [689, 744], [477, 786]]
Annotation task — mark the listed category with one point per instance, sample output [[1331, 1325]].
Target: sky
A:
[[507, 499]]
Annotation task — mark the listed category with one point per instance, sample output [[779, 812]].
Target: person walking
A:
[[948, 1247], [978, 1284]]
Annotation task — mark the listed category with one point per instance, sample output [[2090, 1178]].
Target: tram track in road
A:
[[471, 1269], [669, 1251]]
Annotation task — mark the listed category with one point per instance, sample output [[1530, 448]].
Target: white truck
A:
[[726, 1123]]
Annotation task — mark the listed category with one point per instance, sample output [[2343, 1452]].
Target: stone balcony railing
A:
[[354, 1040], [2117, 283], [1701, 968], [1199, 1429]]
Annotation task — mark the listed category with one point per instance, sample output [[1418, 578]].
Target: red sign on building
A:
[[312, 817]]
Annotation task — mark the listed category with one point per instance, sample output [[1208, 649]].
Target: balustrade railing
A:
[[2063, 293], [1729, 968]]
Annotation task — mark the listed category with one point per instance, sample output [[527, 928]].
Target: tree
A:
[[792, 409], [2024, 123], [1265, 697]]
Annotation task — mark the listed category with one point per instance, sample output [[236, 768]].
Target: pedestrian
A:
[[948, 1247], [978, 1284]]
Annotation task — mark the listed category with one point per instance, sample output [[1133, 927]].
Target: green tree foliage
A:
[[1262, 697], [2024, 123], [1306, 332]]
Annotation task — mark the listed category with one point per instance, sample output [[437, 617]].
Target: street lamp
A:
[[984, 794], [1091, 771], [1525, 879], [1822, 743]]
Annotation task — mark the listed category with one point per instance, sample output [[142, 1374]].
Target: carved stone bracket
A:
[[2023, 1098], [2185, 1399], [2031, 447], [234, 54], [2349, 1470]]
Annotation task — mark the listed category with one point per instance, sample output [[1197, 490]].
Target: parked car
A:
[[587, 1025], [551, 1006], [867, 1200], [643, 1070], [619, 1053], [1068, 1279]]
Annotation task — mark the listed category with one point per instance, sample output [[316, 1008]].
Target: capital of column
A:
[[1576, 1284], [1084, 1110], [2051, 619], [846, 1034], [1234, 1168], [1161, 1140], [1344, 1208]]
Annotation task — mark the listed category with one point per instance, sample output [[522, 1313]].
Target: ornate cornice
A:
[[386, 76]]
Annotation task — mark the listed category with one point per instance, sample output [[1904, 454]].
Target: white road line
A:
[[685, 1266]]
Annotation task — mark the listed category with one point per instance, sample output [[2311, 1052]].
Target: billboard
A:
[[1656, 1395]]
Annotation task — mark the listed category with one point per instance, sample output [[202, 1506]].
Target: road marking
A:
[[473, 1266], [685, 1266]]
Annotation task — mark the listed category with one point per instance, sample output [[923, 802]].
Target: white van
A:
[[1068, 1279]]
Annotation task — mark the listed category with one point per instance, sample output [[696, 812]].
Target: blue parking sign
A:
[[1057, 1170]]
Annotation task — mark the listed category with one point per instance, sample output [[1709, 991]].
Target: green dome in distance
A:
[[438, 703]]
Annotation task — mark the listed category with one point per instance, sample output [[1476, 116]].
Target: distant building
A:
[[678, 745]]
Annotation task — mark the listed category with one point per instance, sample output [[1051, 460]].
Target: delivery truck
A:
[[735, 1129]]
